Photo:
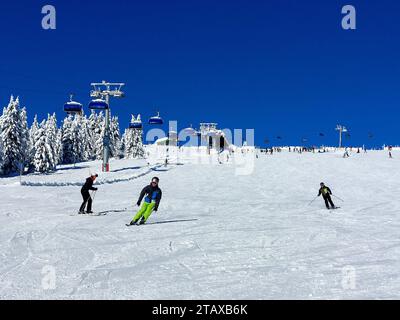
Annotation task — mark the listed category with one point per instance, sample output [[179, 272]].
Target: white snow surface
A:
[[216, 235]]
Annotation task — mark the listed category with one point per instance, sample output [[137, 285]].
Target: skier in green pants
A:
[[151, 202]]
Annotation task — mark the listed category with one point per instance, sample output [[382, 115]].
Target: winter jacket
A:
[[88, 185], [152, 194], [325, 191]]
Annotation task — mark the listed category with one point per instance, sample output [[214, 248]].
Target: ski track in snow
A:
[[216, 235]]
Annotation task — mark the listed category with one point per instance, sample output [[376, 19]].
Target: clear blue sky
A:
[[285, 68]]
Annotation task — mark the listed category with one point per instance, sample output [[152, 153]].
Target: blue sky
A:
[[285, 68]]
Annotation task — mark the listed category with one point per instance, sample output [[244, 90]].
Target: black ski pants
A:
[[328, 200], [86, 200]]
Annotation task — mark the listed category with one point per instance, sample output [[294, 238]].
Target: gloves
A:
[[95, 189]]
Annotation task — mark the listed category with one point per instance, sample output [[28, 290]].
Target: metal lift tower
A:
[[341, 129], [104, 91]]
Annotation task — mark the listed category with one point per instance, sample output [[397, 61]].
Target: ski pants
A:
[[328, 200], [145, 211], [86, 200]]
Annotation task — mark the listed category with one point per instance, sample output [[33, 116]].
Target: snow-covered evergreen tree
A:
[[52, 137], [115, 138], [133, 144], [91, 127], [98, 136], [14, 136], [44, 158], [68, 155], [32, 133], [1, 158], [86, 138]]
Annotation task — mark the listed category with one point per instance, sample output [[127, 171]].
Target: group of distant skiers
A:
[[151, 193], [152, 196]]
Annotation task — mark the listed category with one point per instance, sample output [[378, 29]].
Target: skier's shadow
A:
[[172, 221]]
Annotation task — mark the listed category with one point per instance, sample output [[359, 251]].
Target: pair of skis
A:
[[101, 213], [135, 224]]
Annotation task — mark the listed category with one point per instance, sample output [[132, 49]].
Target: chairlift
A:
[[98, 104], [136, 123], [156, 120], [73, 107]]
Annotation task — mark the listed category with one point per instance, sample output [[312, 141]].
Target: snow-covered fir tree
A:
[[87, 139], [68, 141], [98, 136], [1, 158], [91, 127], [53, 139], [133, 142], [14, 136], [44, 159], [115, 138], [32, 133]]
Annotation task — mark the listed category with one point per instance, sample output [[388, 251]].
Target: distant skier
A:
[[326, 194], [87, 199], [153, 197], [346, 154]]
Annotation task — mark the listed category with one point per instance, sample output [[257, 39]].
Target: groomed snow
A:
[[217, 235]]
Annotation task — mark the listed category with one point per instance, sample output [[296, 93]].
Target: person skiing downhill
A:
[[326, 195], [87, 199], [151, 202]]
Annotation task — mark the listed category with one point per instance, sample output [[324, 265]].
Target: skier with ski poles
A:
[[151, 202], [87, 199], [326, 195]]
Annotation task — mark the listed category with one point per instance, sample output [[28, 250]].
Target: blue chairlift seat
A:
[[156, 120], [98, 104], [136, 125], [73, 107]]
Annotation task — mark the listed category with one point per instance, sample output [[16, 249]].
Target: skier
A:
[[87, 199], [390, 152], [152, 201], [326, 194]]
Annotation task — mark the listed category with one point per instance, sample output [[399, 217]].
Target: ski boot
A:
[[89, 212], [133, 222], [142, 221], [81, 212]]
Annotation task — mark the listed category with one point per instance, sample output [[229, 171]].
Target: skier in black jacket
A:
[[153, 197], [326, 194], [87, 199]]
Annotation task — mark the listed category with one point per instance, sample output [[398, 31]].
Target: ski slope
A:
[[217, 235]]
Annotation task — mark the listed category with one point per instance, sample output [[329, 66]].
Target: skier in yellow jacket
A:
[[326, 194]]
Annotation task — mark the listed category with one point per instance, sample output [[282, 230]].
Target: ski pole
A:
[[93, 195], [338, 198], [313, 200]]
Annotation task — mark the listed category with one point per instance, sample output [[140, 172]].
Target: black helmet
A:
[[322, 184]]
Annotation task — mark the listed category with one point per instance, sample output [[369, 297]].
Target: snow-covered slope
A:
[[216, 236]]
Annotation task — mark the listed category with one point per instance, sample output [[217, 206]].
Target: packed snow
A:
[[217, 235]]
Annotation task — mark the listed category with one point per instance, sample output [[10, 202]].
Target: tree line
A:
[[43, 146]]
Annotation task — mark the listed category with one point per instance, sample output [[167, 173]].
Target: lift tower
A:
[[341, 129], [104, 91]]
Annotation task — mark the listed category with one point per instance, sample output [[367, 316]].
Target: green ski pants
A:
[[146, 210]]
